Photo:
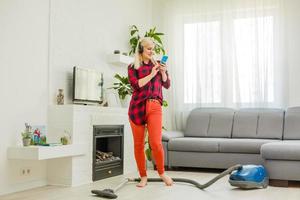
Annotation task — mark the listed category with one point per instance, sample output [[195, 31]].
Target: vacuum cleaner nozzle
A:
[[106, 193]]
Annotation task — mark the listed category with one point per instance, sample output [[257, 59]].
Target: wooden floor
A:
[[158, 191]]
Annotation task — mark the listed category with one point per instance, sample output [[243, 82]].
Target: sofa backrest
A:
[[292, 124], [209, 122], [258, 123]]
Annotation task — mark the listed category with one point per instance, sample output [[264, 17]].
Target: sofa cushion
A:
[[292, 124], [167, 135], [209, 122], [242, 145], [270, 124], [284, 150], [220, 124], [194, 144], [258, 123], [197, 124], [244, 124]]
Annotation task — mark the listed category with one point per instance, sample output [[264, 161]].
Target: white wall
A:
[[82, 32], [23, 84]]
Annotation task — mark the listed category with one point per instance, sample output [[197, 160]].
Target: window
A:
[[254, 76], [202, 62], [229, 61]]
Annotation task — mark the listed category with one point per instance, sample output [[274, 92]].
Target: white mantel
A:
[[79, 120]]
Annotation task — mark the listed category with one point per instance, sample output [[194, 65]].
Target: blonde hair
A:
[[138, 55]]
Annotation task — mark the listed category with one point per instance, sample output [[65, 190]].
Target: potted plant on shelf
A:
[[123, 87], [156, 36], [66, 139], [27, 135]]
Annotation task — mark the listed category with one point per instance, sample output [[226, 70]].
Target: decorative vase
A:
[[26, 142], [60, 97], [112, 99]]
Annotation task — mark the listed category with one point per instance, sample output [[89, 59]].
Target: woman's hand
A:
[[146, 79], [154, 70], [163, 68]]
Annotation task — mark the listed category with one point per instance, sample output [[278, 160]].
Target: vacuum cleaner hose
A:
[[195, 183], [110, 193]]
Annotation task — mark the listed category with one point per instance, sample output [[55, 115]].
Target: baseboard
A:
[[18, 187], [284, 183]]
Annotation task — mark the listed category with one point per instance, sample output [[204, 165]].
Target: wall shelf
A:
[[44, 152], [119, 59]]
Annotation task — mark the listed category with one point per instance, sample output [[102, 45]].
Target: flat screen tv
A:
[[87, 85]]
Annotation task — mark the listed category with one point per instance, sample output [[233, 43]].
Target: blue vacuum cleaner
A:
[[249, 177], [241, 176]]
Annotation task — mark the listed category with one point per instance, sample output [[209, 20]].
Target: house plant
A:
[[123, 87], [27, 135], [156, 36], [66, 139]]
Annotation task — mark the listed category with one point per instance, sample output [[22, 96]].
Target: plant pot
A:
[[26, 142], [125, 102], [65, 140], [150, 164]]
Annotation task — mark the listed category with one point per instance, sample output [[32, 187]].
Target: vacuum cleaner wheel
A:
[[250, 184]]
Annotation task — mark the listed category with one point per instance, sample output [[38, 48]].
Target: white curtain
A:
[[224, 53]]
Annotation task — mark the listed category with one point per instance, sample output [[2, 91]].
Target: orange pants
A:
[[154, 126]]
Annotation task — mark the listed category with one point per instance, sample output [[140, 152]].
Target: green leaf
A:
[[157, 39], [133, 32], [134, 27], [153, 30], [133, 40], [148, 154], [122, 86], [165, 103], [117, 76]]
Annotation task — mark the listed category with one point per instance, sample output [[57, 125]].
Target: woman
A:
[[147, 77]]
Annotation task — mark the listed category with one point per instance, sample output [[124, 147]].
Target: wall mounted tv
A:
[[87, 85]]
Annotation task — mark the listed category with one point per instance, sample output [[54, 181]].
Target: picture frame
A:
[[39, 134]]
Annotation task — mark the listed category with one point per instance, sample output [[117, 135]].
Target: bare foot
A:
[[143, 182], [168, 181]]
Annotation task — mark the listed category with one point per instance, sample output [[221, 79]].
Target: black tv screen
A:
[[87, 85]]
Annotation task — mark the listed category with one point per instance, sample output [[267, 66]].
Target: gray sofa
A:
[[222, 137]]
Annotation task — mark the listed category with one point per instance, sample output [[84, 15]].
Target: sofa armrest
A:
[[167, 135]]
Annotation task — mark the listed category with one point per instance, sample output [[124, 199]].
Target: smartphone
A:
[[164, 59]]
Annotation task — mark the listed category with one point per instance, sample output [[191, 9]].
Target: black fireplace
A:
[[108, 151]]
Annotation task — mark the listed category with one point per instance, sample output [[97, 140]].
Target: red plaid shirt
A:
[[152, 90]]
